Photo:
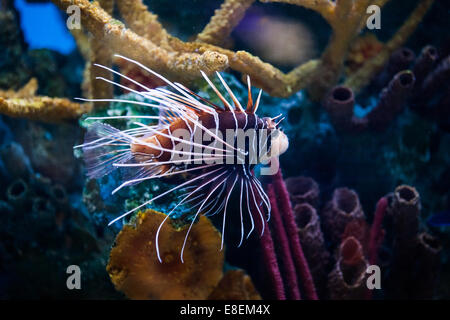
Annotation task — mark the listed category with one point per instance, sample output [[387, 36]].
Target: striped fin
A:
[[103, 146]]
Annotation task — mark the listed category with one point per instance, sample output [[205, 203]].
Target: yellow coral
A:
[[24, 104], [27, 91], [135, 270], [148, 42]]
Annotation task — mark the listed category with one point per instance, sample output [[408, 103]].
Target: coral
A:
[[235, 285], [339, 104], [27, 91], [295, 270], [24, 104], [436, 79], [13, 71], [271, 264], [15, 160], [98, 53], [119, 39], [360, 230], [42, 141], [405, 210], [424, 64], [313, 244], [283, 205], [364, 48], [302, 190], [135, 270], [392, 100], [364, 75], [376, 231], [400, 60], [42, 228], [343, 207], [348, 278], [17, 192], [285, 255], [148, 42], [428, 263], [224, 21]]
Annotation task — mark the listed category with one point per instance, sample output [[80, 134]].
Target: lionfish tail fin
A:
[[104, 146]]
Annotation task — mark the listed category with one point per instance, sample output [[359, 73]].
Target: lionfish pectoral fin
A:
[[103, 146]]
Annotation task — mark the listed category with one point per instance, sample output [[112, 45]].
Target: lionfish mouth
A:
[[218, 145]]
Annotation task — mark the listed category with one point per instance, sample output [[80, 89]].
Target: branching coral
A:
[[24, 104], [147, 41], [135, 270]]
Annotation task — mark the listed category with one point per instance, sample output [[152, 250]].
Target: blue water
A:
[[44, 27]]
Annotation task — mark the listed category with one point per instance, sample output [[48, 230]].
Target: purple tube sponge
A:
[[392, 100], [405, 211], [424, 64], [339, 104], [303, 190], [401, 59], [436, 79], [428, 261], [313, 244], [343, 207]]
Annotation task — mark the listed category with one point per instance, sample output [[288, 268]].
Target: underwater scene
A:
[[225, 149]]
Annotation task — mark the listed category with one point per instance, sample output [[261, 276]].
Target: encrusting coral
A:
[[135, 270], [25, 104], [235, 285], [148, 42]]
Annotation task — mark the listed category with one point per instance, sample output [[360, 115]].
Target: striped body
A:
[[232, 141], [225, 121]]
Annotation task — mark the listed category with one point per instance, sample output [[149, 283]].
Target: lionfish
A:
[[217, 165]]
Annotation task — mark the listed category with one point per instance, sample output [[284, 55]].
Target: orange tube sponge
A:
[[235, 285], [347, 281], [135, 270]]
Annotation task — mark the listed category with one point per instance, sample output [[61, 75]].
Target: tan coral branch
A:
[[27, 91], [44, 109], [182, 61], [143, 22], [99, 53], [24, 104], [324, 7], [224, 20], [176, 65], [82, 41]]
